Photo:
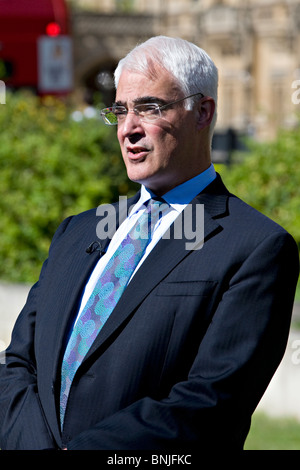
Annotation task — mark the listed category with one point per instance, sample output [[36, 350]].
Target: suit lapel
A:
[[88, 249], [162, 259], [77, 276]]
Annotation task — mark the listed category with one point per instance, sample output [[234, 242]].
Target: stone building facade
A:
[[255, 45]]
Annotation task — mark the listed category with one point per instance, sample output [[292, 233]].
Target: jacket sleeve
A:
[[22, 422], [236, 359]]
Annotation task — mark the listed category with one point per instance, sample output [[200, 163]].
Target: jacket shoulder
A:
[[244, 221]]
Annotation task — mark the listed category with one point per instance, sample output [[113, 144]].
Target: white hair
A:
[[190, 66]]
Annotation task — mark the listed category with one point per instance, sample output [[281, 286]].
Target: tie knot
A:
[[146, 224], [155, 208]]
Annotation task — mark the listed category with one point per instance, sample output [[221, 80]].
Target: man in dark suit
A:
[[183, 357]]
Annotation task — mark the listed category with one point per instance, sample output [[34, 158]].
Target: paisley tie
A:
[[106, 294]]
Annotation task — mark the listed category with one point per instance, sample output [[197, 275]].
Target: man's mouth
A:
[[136, 153]]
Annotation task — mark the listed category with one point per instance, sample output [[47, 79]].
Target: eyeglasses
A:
[[148, 112]]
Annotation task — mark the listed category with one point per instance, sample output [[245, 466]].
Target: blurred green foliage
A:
[[50, 167], [268, 178]]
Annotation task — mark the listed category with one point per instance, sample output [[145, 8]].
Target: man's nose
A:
[[131, 124]]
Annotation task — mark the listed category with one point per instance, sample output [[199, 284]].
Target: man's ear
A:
[[205, 112]]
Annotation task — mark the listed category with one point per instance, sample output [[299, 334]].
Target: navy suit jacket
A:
[[185, 357]]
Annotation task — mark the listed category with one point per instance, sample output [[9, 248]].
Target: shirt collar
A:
[[182, 194]]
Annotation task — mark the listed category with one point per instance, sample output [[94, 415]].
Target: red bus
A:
[[36, 45]]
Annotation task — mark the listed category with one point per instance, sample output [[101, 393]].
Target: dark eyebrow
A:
[[142, 100]]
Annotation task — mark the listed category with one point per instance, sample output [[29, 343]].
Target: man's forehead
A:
[[138, 85]]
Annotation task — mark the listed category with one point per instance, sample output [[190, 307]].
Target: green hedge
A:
[[50, 167], [268, 178]]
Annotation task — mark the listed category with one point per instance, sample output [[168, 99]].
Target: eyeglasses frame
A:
[[105, 111]]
